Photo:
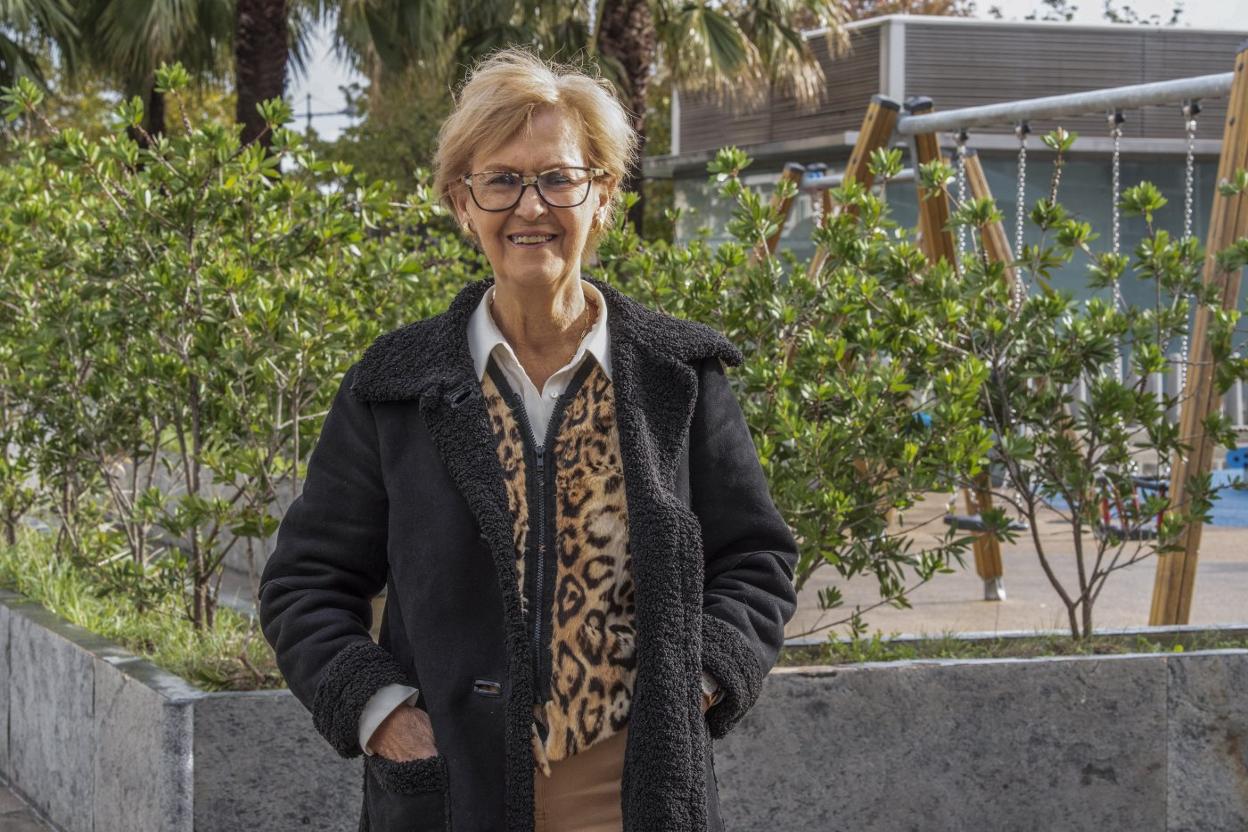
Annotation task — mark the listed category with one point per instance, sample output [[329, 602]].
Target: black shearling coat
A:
[[404, 490]]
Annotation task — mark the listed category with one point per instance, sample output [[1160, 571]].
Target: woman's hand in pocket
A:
[[406, 734], [707, 701]]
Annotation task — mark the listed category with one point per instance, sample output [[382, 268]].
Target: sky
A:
[[326, 74]]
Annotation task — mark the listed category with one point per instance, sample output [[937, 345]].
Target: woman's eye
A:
[[504, 180], [556, 180]]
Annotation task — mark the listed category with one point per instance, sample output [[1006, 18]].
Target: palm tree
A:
[[28, 23], [261, 34], [734, 47], [627, 43], [127, 40]]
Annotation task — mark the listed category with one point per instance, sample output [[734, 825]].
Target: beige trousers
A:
[[582, 793]]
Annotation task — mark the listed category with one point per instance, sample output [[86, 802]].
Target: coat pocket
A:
[[408, 795]]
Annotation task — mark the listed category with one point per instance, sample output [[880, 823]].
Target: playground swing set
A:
[[921, 126]]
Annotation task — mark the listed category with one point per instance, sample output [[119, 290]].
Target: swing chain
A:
[[962, 138], [1020, 208], [1115, 131], [1116, 120], [1191, 108]]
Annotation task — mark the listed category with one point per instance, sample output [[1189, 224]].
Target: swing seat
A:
[[1152, 484], [1237, 458], [1146, 531], [975, 523]]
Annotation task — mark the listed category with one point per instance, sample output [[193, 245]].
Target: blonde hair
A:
[[498, 99]]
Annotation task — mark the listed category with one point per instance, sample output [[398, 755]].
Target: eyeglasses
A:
[[501, 190]]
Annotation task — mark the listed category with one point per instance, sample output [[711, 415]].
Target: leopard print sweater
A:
[[592, 657]]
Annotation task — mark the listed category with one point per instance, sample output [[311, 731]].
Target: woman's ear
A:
[[460, 204], [606, 193], [457, 204]]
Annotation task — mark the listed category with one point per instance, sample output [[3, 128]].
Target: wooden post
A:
[[996, 243], [792, 173], [997, 247], [1176, 573], [877, 128], [937, 242], [934, 236]]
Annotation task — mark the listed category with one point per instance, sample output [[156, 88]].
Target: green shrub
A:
[[875, 376], [174, 324], [174, 319]]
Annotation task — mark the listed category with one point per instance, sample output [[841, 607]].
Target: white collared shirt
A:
[[486, 339]]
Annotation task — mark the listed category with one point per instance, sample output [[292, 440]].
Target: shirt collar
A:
[[484, 336]]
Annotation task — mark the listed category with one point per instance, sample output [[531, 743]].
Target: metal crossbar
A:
[[1057, 106]]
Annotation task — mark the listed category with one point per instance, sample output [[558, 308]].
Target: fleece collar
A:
[[431, 357]]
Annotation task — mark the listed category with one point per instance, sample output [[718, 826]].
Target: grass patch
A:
[[878, 648], [232, 656]]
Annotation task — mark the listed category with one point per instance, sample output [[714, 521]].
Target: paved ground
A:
[[954, 602], [16, 816]]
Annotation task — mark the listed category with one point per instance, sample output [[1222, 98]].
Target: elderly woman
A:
[[587, 579]]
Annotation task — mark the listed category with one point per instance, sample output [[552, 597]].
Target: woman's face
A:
[[534, 243]]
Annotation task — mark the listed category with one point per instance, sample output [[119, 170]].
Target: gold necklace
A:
[[588, 325]]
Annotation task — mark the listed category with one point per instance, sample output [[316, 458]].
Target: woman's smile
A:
[[532, 239]]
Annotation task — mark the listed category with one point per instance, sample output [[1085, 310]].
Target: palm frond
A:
[[742, 51], [24, 23]]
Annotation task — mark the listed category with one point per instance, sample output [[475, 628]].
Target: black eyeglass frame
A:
[[526, 181]]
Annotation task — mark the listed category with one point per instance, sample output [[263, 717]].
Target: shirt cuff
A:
[[380, 706], [709, 683]]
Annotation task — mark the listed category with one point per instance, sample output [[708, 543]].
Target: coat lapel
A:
[[654, 374]]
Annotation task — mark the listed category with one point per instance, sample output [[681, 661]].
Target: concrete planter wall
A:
[[99, 740], [1144, 742]]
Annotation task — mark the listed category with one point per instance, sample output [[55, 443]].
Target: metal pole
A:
[[1056, 106], [817, 181]]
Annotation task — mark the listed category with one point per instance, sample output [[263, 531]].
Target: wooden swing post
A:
[[877, 128], [876, 131], [792, 173], [937, 242], [934, 235], [1176, 572], [996, 243]]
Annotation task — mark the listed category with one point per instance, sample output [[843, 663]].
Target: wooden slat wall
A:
[[852, 80], [967, 66]]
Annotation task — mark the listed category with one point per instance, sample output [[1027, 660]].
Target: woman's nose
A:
[[531, 204]]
